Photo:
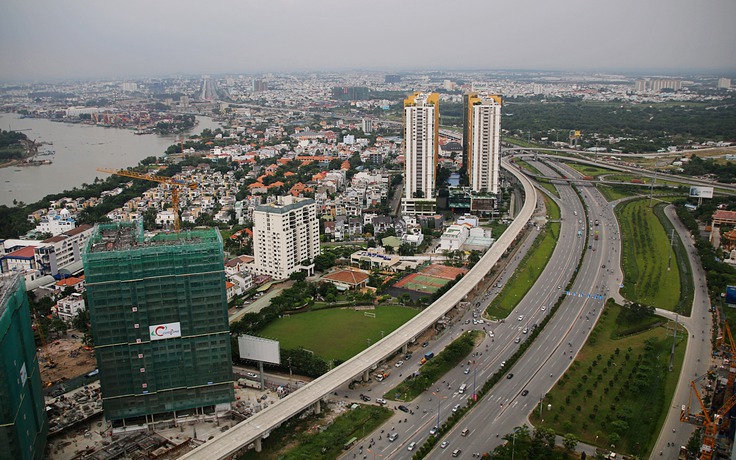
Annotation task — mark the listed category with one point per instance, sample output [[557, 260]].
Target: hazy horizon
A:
[[48, 40]]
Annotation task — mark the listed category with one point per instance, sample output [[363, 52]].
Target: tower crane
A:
[[175, 185], [711, 426]]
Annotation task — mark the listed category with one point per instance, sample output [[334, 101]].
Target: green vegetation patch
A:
[[436, 367], [617, 391], [337, 333], [588, 170], [294, 440], [550, 187], [615, 192], [644, 257], [524, 165], [531, 268]]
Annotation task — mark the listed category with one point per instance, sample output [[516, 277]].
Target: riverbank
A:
[[79, 150]]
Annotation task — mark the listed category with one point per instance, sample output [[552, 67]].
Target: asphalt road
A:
[[504, 408], [551, 354], [697, 354]]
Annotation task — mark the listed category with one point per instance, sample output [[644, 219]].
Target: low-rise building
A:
[[348, 279], [68, 307]]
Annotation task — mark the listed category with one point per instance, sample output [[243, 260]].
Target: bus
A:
[[350, 443]]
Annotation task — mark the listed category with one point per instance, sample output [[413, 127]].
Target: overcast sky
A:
[[42, 39]]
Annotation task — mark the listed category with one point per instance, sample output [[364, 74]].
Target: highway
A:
[[697, 354], [259, 426], [505, 407]]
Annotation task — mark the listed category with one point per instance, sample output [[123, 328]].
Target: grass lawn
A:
[[553, 211], [618, 390], [530, 168], [524, 277], [337, 333], [497, 228], [616, 192], [644, 257], [295, 440], [588, 170], [549, 187]]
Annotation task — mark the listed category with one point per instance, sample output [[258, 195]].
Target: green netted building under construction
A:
[[158, 308], [23, 423]]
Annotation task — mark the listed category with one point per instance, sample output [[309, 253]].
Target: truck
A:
[[427, 357], [595, 237], [380, 376]]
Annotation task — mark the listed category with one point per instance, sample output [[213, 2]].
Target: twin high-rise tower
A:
[[481, 145], [482, 141]]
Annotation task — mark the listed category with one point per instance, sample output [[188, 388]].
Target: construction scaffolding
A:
[[23, 423], [158, 308]]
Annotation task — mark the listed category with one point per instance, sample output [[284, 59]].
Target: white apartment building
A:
[[483, 144], [56, 223], [285, 234], [63, 252], [454, 237], [68, 307], [421, 128]]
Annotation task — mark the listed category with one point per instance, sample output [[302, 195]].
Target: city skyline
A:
[[50, 40]]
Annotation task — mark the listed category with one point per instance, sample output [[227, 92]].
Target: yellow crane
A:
[[711, 424], [174, 184]]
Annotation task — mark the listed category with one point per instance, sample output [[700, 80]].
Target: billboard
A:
[[701, 192], [731, 295], [164, 331], [258, 349]]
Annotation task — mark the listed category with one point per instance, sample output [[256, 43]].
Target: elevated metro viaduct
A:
[[259, 426]]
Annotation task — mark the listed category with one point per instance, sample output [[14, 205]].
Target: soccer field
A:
[[337, 333]]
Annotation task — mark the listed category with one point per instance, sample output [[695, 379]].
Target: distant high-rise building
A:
[[724, 83], [421, 129], [392, 78], [23, 423], [367, 125], [657, 84], [350, 93], [285, 235], [259, 86], [482, 141], [158, 308]]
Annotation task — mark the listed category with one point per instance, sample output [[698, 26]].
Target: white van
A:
[[462, 388]]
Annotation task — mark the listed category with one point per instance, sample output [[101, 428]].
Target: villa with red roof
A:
[[347, 279]]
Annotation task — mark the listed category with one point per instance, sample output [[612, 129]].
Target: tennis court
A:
[[422, 283]]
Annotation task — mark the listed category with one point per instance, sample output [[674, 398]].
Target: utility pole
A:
[[672, 243], [674, 342]]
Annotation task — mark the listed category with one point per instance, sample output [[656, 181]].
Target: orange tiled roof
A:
[[351, 277]]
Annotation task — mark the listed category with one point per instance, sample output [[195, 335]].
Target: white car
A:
[[544, 307], [466, 371], [399, 363], [444, 444], [456, 408], [526, 329], [434, 430], [411, 446], [381, 401], [521, 318]]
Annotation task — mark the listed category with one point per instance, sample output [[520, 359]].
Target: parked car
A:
[[403, 408]]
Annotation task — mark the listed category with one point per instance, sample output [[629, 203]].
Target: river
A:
[[79, 150]]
